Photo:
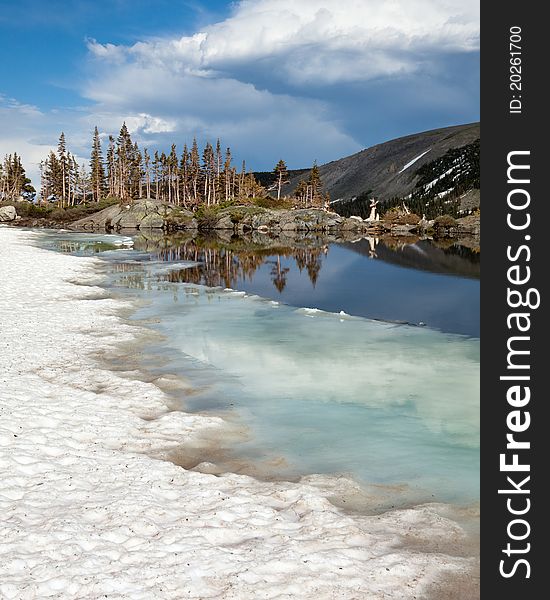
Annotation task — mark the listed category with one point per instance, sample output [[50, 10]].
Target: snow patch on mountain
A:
[[411, 162]]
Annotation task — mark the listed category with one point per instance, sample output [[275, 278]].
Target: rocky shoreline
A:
[[240, 219], [146, 215]]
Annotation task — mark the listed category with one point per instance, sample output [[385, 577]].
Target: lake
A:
[[356, 357]]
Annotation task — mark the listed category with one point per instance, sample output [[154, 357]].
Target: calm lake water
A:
[[316, 348]]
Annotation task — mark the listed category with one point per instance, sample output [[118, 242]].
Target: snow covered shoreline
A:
[[89, 513]]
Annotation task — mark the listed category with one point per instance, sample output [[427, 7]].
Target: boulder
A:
[[469, 225], [265, 220], [102, 220], [7, 214], [402, 229], [225, 222], [147, 214], [352, 224], [151, 221], [180, 218]]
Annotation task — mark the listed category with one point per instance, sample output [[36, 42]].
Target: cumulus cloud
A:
[[292, 79], [326, 41], [273, 75], [178, 106]]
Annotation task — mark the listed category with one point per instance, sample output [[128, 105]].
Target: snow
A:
[[411, 162], [447, 172], [90, 509]]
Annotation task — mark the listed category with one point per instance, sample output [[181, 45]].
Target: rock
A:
[[180, 218], [225, 223], [7, 214], [151, 221], [266, 220], [353, 224], [128, 221], [308, 219], [469, 225], [101, 220], [402, 229], [148, 214]]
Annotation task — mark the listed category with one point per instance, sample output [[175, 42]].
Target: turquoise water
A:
[[320, 392]]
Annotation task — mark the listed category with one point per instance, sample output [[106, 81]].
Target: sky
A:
[[301, 80]]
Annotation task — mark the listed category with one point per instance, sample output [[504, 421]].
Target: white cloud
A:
[[325, 41], [9, 105], [19, 123], [262, 78], [273, 80], [32, 133], [260, 125]]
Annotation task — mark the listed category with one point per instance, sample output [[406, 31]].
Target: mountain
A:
[[393, 169], [424, 255]]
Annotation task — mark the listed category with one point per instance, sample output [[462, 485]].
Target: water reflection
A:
[[76, 246], [404, 279], [445, 256], [225, 266], [228, 261]]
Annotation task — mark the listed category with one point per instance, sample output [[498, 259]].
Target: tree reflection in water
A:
[[226, 260], [226, 264]]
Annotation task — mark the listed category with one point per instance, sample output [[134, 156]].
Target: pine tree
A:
[[301, 192], [156, 174], [281, 176], [124, 163], [191, 180], [97, 170], [72, 179], [43, 190], [242, 178], [228, 176], [14, 183], [195, 171], [147, 163], [135, 172], [52, 177], [208, 166], [184, 171], [162, 175], [64, 169], [314, 185], [111, 167], [84, 185], [173, 176]]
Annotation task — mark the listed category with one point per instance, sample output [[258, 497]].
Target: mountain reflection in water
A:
[[224, 262], [396, 279]]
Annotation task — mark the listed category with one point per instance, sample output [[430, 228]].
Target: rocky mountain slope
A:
[[393, 169]]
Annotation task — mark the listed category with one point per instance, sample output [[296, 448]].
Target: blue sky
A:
[[299, 79]]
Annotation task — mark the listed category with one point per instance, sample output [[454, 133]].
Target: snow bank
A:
[[411, 162], [89, 512]]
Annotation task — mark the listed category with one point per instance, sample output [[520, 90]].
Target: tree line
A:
[[14, 183], [190, 179]]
